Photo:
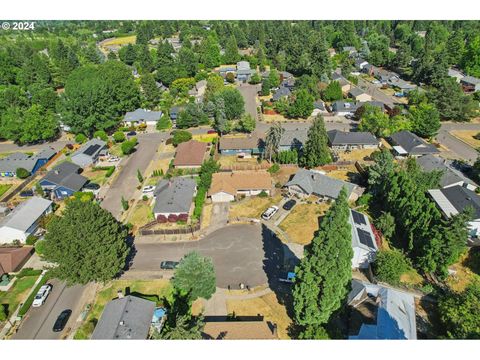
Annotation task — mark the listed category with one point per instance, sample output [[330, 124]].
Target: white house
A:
[[23, 220], [363, 240]]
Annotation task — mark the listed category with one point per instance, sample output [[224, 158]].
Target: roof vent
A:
[[121, 323]]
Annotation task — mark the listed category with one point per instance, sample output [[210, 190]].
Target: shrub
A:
[[100, 134], [164, 123], [80, 138], [84, 196], [128, 147], [39, 190], [119, 137], [390, 265], [40, 247], [230, 77], [274, 169], [28, 272], [199, 201], [124, 203], [364, 200], [263, 194], [3, 312], [144, 197], [22, 173], [180, 136], [31, 240]]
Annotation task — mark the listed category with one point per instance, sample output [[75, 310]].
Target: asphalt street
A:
[[241, 253], [39, 321]]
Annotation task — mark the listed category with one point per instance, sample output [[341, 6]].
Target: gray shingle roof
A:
[[313, 182], [280, 93], [66, 175], [356, 92], [128, 318], [26, 214], [461, 198], [90, 148], [450, 175], [174, 195], [342, 106], [142, 115], [17, 160], [337, 137], [412, 143], [295, 137]]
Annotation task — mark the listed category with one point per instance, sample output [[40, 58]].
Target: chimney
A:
[[120, 294], [121, 323]]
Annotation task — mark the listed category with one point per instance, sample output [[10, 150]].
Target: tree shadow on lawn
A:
[[278, 261], [133, 251]]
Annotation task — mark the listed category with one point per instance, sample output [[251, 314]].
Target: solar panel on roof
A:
[[358, 218], [365, 238], [91, 149]]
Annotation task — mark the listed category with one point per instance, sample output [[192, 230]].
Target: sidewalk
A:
[[13, 317]]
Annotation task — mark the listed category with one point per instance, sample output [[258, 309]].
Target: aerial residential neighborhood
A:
[[240, 180]]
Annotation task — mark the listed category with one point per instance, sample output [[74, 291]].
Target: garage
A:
[[222, 197]]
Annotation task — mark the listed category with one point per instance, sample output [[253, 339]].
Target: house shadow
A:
[[278, 261]]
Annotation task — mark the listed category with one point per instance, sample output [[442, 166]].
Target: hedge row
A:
[[26, 305], [109, 169]]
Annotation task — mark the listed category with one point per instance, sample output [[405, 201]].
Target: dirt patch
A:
[[207, 215], [284, 174], [141, 214], [467, 136], [355, 155], [267, 306], [252, 207], [306, 214], [463, 275]]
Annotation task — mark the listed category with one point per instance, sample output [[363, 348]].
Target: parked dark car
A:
[[26, 193], [132, 133], [92, 186], [62, 320], [168, 265], [289, 204], [211, 132]]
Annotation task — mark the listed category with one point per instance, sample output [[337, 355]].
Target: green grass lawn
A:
[[4, 188], [153, 290], [17, 293]]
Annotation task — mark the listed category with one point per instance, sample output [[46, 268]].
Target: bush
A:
[[119, 137], [28, 272], [164, 123], [230, 77], [84, 196], [274, 169], [40, 247], [180, 136], [31, 240], [109, 170], [145, 198], [390, 265], [124, 203], [263, 194], [100, 134], [22, 173], [199, 201], [3, 312], [80, 138], [364, 200], [128, 147]]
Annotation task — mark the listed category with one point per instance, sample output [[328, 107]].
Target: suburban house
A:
[[293, 139], [343, 140], [363, 240], [174, 111], [63, 180], [246, 146], [288, 82], [283, 92], [198, 91], [23, 220], [450, 175], [385, 313], [406, 143], [319, 108], [142, 116], [190, 154], [243, 71], [470, 84], [239, 330], [360, 63], [454, 200], [13, 258], [359, 95], [344, 83], [173, 199], [223, 70], [343, 108], [125, 318], [89, 153], [404, 86], [311, 182], [226, 186], [9, 164], [456, 74]]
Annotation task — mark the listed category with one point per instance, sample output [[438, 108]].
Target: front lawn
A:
[[17, 293], [4, 188], [153, 290], [355, 155], [467, 136], [124, 40], [98, 175], [207, 138], [308, 216], [141, 214], [267, 306], [252, 207]]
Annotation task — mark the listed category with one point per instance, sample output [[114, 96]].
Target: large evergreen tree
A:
[[324, 274], [316, 151], [231, 51]]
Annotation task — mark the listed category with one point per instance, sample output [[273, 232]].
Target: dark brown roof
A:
[[190, 153], [239, 330], [12, 258]]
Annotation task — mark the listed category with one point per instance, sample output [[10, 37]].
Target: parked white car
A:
[[272, 210], [113, 159], [42, 295], [148, 189]]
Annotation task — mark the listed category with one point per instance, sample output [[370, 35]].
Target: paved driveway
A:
[[249, 93], [125, 184], [241, 253], [39, 321]]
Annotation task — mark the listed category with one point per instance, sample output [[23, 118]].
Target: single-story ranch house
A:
[[226, 186], [406, 143], [9, 164], [246, 146], [63, 180], [142, 116], [342, 140], [173, 199], [89, 153], [190, 154], [293, 139], [13, 258]]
